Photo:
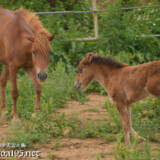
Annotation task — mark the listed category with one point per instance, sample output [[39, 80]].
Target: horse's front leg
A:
[[32, 74], [14, 93], [3, 83]]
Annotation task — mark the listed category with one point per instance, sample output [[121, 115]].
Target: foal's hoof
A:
[[141, 140], [34, 115]]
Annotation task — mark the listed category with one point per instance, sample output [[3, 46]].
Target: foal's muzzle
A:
[[77, 86], [42, 76]]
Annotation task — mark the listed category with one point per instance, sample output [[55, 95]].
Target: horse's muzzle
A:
[[42, 76], [77, 86]]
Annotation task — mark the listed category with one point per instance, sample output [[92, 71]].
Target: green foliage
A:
[[145, 152], [55, 91], [119, 31], [146, 119], [119, 36], [96, 87]]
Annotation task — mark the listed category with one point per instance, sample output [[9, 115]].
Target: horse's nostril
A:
[[42, 76], [38, 75]]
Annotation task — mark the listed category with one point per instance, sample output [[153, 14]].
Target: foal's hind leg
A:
[[125, 114], [132, 131], [3, 83], [32, 74]]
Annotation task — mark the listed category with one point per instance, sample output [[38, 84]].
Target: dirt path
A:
[[79, 149], [4, 127], [74, 148], [88, 149], [90, 111]]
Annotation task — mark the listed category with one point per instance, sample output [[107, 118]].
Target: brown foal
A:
[[24, 43], [124, 84]]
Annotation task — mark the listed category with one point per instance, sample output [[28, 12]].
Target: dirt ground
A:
[[73, 148]]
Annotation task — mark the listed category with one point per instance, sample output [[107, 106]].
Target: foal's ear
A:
[[51, 38], [88, 57], [29, 37]]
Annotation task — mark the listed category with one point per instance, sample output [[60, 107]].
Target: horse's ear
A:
[[89, 57], [29, 37], [52, 37]]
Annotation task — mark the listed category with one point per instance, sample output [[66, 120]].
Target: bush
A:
[[55, 91], [119, 31]]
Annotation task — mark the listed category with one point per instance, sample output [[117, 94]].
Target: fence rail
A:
[[96, 11], [95, 19]]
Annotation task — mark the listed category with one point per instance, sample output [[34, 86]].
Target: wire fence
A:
[[106, 10], [94, 11]]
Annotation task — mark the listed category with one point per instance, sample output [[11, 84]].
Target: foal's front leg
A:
[[3, 83], [126, 121], [33, 76], [14, 93]]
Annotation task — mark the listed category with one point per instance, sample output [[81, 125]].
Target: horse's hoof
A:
[[3, 114], [16, 119]]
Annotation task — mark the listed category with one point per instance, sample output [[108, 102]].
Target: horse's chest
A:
[[24, 61]]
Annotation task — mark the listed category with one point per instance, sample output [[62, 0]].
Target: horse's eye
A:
[[34, 52], [50, 52], [80, 70]]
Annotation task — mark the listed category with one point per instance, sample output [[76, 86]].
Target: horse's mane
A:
[[41, 34], [107, 60]]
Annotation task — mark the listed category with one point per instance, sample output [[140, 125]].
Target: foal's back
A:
[[141, 80]]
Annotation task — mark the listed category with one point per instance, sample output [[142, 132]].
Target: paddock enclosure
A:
[[80, 124]]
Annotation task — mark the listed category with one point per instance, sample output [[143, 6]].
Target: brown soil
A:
[[73, 148]]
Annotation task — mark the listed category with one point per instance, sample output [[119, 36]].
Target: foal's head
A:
[[41, 50], [85, 72]]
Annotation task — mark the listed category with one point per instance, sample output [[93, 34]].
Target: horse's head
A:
[[41, 50], [85, 72]]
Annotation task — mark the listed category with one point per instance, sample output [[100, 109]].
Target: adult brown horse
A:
[[24, 43], [124, 84]]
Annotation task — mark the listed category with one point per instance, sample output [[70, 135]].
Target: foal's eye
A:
[[80, 70], [34, 52]]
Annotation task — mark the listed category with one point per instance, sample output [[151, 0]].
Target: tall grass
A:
[[55, 91], [48, 123]]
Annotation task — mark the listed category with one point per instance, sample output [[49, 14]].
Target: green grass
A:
[[49, 124], [91, 110], [55, 92], [143, 152]]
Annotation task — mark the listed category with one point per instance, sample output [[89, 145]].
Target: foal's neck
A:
[[104, 73]]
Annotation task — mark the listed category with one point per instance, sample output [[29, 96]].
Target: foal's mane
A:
[[41, 34], [107, 60], [91, 57]]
